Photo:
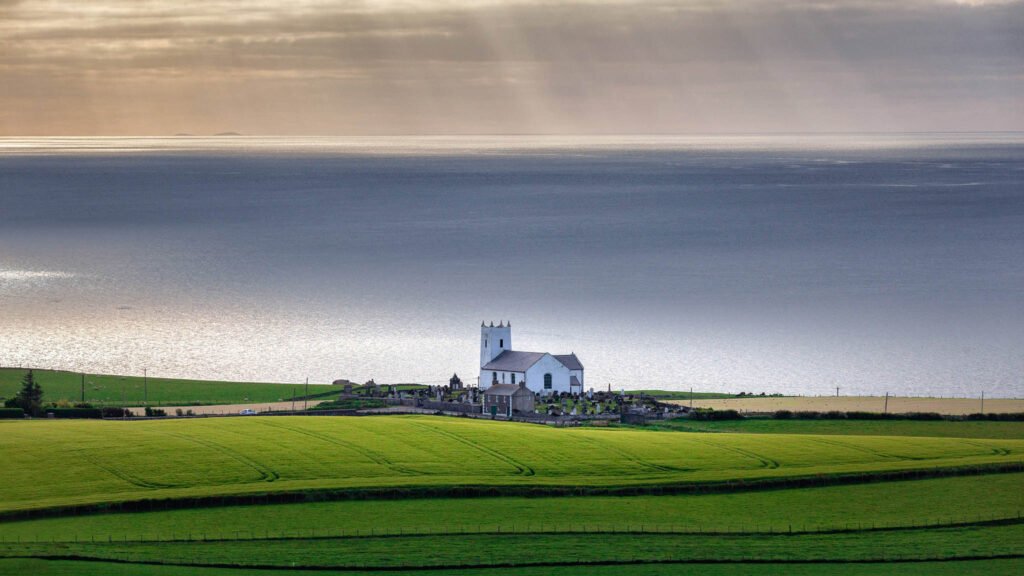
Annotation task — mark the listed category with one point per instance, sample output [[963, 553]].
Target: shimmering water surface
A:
[[790, 263]]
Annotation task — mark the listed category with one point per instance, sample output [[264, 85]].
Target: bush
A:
[[712, 414], [74, 412], [179, 412], [922, 416], [783, 415], [806, 415], [6, 413], [113, 412], [868, 416], [834, 415], [1003, 417], [155, 412]]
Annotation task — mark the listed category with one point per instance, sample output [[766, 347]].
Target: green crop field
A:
[[52, 464], [108, 390], [418, 494], [938, 428]]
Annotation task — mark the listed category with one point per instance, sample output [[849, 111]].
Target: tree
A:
[[30, 397]]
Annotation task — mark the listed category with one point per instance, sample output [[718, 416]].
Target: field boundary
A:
[[893, 559], [490, 491], [634, 529]]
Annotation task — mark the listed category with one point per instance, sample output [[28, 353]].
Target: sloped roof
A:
[[510, 361], [574, 381], [503, 389], [514, 361], [570, 361]]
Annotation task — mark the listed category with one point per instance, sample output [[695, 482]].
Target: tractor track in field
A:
[[765, 461], [135, 481], [522, 468], [630, 457], [995, 449], [861, 449], [372, 455], [267, 474]]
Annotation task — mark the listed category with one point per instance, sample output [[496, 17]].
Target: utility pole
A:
[[982, 401], [145, 387], [293, 399], [305, 399], [691, 397], [886, 409], [837, 391]]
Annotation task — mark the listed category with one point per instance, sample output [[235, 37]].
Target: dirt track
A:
[[861, 403], [232, 408]]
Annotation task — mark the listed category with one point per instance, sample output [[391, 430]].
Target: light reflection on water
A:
[[752, 263]]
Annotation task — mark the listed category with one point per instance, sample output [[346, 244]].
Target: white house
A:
[[544, 373]]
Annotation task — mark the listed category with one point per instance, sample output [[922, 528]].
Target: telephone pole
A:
[[982, 401], [886, 409], [305, 399], [145, 387]]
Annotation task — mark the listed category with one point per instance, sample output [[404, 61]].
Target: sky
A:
[[319, 67]]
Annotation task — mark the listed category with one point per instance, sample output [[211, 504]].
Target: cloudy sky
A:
[[118, 67]]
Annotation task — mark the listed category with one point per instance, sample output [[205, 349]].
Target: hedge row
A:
[[712, 414], [74, 412], [837, 415], [11, 413]]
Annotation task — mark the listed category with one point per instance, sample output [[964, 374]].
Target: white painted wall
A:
[[559, 376], [493, 341]]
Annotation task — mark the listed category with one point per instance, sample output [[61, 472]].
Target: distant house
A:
[[508, 399], [544, 373]]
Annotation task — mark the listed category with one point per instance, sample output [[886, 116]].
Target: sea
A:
[[794, 264]]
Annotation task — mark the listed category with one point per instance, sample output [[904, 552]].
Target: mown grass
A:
[[75, 462], [989, 567], [905, 503], [520, 549], [111, 390], [939, 429]]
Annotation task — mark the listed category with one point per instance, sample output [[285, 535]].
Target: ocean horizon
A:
[[790, 264]]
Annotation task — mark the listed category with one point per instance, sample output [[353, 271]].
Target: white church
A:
[[544, 373]]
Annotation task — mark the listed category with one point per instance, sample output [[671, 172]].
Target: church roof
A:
[[509, 361], [514, 361], [570, 361], [504, 389], [574, 381]]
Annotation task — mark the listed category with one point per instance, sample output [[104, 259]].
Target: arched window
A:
[[547, 381], [501, 343]]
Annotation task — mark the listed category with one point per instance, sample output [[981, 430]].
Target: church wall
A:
[[559, 376]]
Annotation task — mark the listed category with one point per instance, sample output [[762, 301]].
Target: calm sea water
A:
[[777, 264]]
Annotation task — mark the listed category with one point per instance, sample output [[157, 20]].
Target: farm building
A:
[[543, 372], [506, 399]]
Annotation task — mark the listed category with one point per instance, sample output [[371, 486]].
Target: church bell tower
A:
[[494, 340]]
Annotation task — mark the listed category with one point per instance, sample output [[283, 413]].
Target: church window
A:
[[494, 376], [501, 343], [513, 377], [547, 381]]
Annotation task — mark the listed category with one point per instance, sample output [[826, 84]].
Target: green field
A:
[[987, 567], [425, 523], [62, 463], [938, 428], [108, 390]]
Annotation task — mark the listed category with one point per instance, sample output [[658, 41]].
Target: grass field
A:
[[987, 567], [933, 501], [62, 463], [938, 429], [108, 390], [972, 523]]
